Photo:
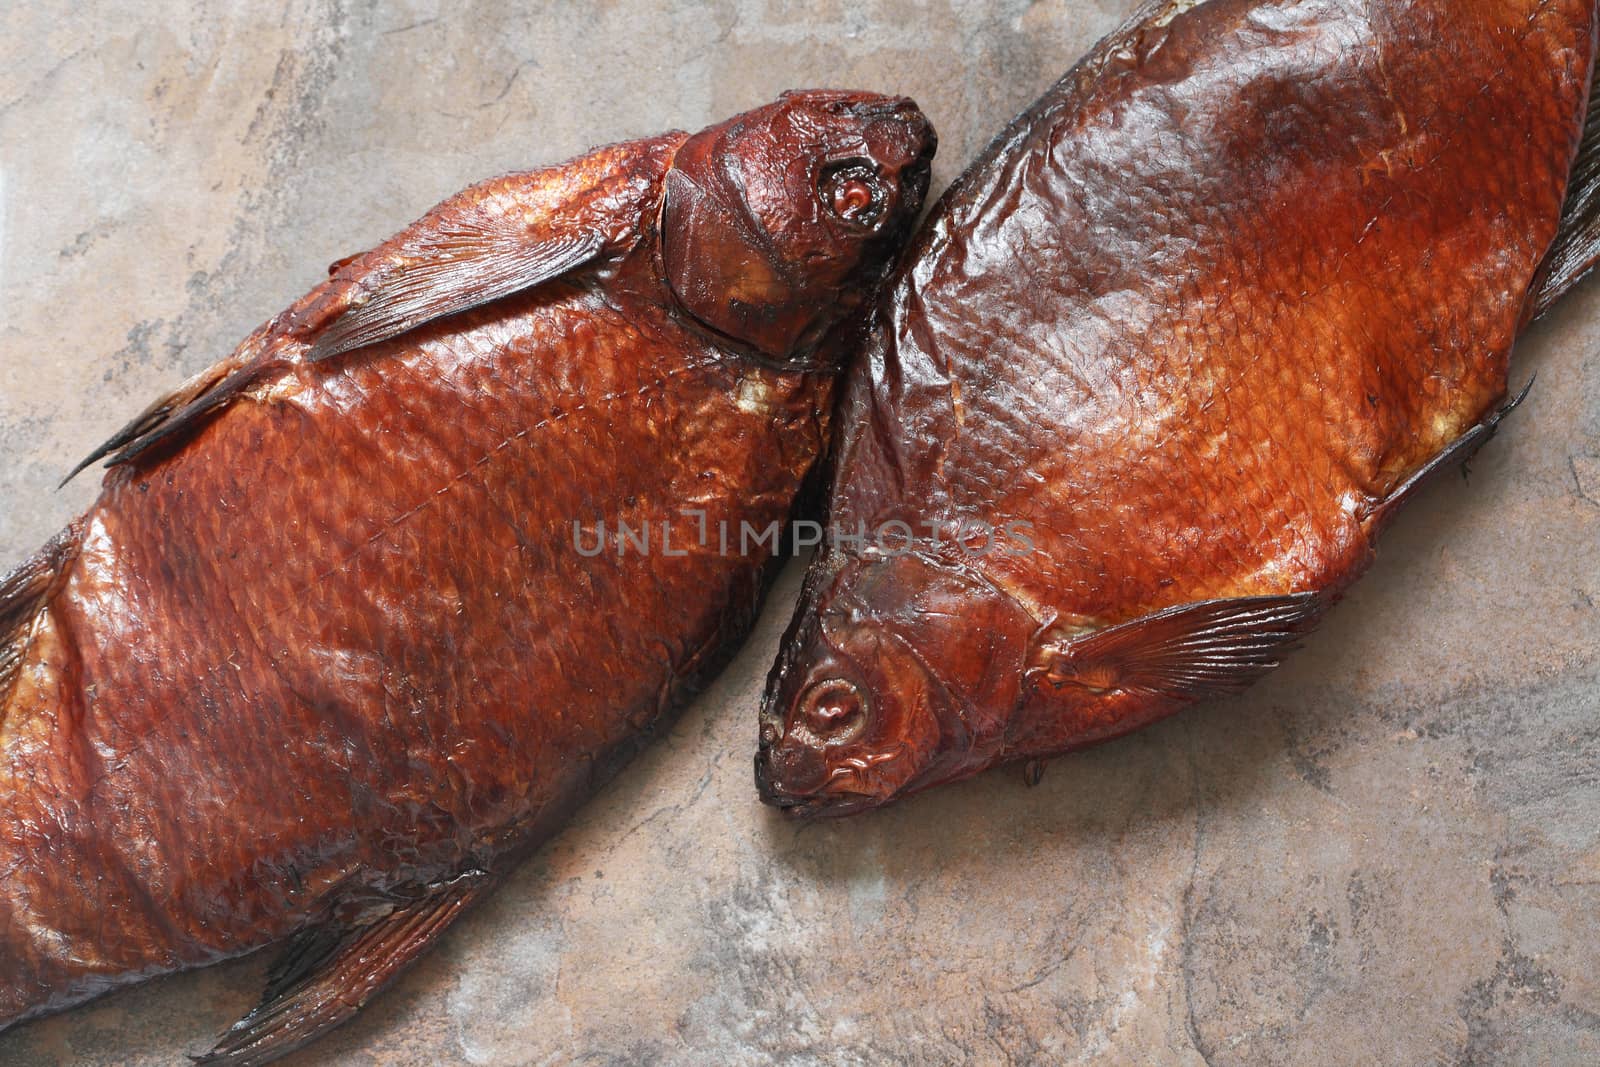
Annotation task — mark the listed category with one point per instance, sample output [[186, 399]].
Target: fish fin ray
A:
[[1189, 651], [446, 271], [328, 973], [1458, 453], [475, 247], [1576, 249], [174, 413], [461, 266]]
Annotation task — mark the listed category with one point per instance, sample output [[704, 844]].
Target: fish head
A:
[[902, 674], [780, 222]]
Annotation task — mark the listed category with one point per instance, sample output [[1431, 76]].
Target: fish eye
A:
[[853, 191], [834, 710]]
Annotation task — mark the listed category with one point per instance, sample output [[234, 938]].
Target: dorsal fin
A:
[[176, 411], [439, 271], [1576, 248], [499, 237]]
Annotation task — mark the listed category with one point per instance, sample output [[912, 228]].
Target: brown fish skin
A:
[[326, 656], [1196, 321]]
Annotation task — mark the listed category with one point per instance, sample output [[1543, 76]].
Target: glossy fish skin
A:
[[325, 655], [1200, 319]]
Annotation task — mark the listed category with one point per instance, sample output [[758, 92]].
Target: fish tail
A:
[[78, 914], [24, 595], [1576, 249], [49, 900], [24, 599]]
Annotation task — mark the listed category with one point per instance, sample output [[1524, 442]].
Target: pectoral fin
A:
[[464, 265], [1187, 652], [327, 974]]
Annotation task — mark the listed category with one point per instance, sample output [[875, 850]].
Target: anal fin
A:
[[1576, 248], [1186, 652], [326, 974]]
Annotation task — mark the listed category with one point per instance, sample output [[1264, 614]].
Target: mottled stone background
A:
[[1388, 853]]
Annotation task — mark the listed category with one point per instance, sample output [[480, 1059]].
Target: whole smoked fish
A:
[[324, 659], [1162, 364]]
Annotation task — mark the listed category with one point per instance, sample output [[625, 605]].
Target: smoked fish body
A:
[[340, 640], [1162, 363]]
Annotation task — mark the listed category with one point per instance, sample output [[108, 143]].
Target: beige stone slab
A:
[[1387, 853]]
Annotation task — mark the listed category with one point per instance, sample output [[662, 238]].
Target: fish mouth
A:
[[914, 169], [919, 172], [825, 806], [828, 805]]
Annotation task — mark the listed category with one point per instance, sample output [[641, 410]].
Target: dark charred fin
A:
[[1577, 245], [471, 264], [174, 413], [23, 594], [1187, 652], [327, 974]]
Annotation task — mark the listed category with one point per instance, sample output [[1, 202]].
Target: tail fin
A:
[[1576, 249], [23, 594]]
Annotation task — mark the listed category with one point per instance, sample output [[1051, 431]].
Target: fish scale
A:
[[1210, 307], [324, 660]]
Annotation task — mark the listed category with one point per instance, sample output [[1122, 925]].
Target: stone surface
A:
[[1388, 852]]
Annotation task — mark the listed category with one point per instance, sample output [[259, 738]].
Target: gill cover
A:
[[902, 678], [775, 221]]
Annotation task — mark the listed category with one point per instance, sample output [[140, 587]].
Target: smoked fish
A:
[[1161, 365], [329, 653]]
